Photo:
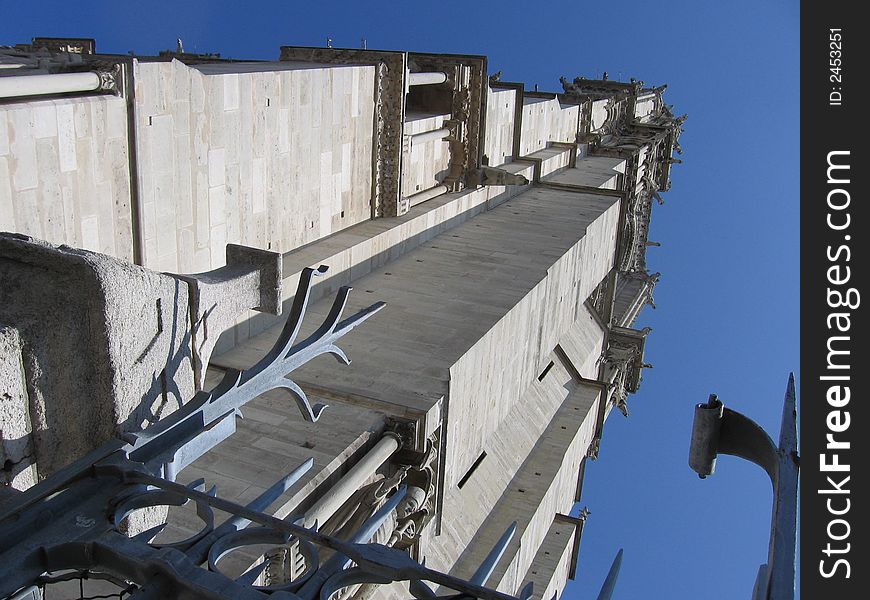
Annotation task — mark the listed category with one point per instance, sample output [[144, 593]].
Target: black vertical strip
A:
[[471, 470], [136, 223], [835, 226]]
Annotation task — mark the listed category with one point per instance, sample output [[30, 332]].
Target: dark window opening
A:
[[545, 371], [471, 471]]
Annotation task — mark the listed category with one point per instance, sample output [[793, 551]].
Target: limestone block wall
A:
[[64, 173], [426, 165], [570, 278], [583, 343], [528, 475], [487, 380], [506, 450], [628, 300], [599, 113], [557, 458], [644, 105], [499, 137], [352, 253], [548, 160], [547, 120], [593, 171], [550, 569], [468, 305], [266, 156]]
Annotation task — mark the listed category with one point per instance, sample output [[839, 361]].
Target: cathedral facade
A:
[[164, 214]]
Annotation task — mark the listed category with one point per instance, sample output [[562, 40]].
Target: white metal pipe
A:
[[332, 500], [58, 83], [433, 192], [426, 78], [422, 138]]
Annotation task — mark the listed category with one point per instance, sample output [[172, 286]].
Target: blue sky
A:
[[728, 304]]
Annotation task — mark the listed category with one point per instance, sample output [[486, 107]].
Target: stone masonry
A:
[[158, 228]]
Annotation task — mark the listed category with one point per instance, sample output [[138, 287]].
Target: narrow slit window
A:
[[545, 371], [471, 471]]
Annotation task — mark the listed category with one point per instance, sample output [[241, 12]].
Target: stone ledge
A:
[[354, 252]]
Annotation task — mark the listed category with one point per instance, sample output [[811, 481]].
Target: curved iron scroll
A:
[[71, 520]]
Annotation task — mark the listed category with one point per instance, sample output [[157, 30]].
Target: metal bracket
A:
[[716, 430]]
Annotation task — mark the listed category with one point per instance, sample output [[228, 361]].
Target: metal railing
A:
[[73, 522]]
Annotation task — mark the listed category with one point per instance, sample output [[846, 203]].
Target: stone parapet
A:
[[107, 347], [105, 344]]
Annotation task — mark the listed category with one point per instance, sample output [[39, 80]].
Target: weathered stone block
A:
[[105, 344], [16, 449]]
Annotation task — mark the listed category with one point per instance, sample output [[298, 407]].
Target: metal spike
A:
[[199, 552], [309, 413], [149, 534], [328, 325], [527, 591], [783, 529], [251, 575], [339, 562], [373, 523], [609, 584], [197, 484], [487, 566], [338, 353], [297, 312]]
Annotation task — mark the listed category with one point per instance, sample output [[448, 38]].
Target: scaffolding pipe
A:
[[337, 495], [422, 138], [426, 78], [433, 192], [58, 83]]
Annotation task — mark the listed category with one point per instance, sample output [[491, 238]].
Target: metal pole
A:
[[488, 565], [38, 85], [331, 501], [609, 584], [429, 136], [783, 527]]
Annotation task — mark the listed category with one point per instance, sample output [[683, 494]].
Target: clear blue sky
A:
[[728, 304]]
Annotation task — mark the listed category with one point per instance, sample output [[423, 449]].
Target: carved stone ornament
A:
[[418, 507], [110, 78], [467, 75], [600, 88], [402, 529], [599, 297], [635, 225], [624, 357], [494, 176], [594, 449], [110, 74]]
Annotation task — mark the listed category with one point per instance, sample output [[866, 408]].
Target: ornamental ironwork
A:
[[77, 523]]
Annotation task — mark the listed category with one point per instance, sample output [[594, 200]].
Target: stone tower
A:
[[505, 229]]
